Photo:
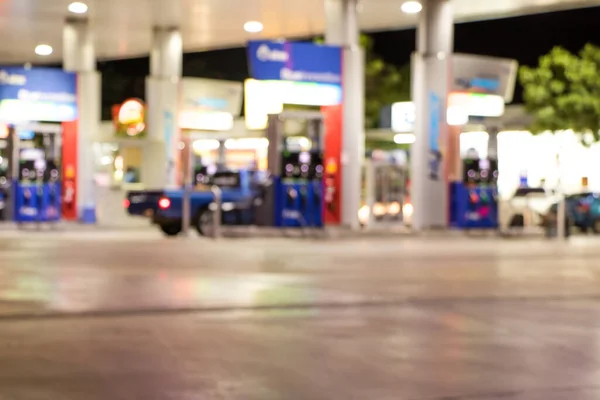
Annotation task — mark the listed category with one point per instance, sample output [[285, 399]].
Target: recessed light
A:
[[253, 26], [411, 7], [78, 7], [43, 50]]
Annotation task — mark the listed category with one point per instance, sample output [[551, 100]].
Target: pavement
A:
[[132, 315]]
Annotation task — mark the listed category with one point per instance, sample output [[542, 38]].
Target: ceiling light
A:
[[78, 7], [43, 50], [253, 27], [411, 7]]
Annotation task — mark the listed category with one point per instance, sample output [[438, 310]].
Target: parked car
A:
[[582, 212], [165, 208], [526, 208]]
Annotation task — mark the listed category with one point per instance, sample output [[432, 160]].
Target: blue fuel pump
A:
[[474, 201], [295, 162], [37, 187]]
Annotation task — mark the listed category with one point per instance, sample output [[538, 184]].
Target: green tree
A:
[[563, 91], [384, 83]]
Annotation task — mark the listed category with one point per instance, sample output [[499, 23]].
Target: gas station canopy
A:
[[124, 27]]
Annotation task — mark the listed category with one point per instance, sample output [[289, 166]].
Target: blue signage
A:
[[37, 94], [435, 116], [486, 85], [295, 61], [434, 121], [210, 103]]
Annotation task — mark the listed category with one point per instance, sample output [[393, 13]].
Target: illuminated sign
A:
[[404, 116], [13, 79], [130, 118], [482, 74], [295, 61], [477, 104], [26, 135], [4, 131], [21, 110], [201, 95], [485, 85], [37, 94], [208, 104], [268, 97], [206, 121]]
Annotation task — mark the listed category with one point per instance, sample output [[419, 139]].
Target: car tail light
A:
[[164, 203], [583, 207], [126, 203]]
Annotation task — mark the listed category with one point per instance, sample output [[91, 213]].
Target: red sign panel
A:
[[332, 164], [69, 172]]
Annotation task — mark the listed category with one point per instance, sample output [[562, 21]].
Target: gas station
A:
[[279, 78], [103, 312]]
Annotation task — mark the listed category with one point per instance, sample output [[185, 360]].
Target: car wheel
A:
[[204, 222], [596, 226], [170, 230], [517, 221]]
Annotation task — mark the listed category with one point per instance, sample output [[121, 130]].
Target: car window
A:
[[580, 196], [228, 179], [522, 192]]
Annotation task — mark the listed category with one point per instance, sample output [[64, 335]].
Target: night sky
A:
[[523, 38]]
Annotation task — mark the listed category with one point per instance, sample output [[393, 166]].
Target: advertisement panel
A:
[[37, 94], [206, 95], [269, 97], [482, 74], [129, 119], [295, 61], [209, 105]]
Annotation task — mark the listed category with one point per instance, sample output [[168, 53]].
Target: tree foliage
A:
[[563, 91], [384, 83]]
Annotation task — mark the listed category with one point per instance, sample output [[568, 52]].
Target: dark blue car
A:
[[240, 192], [583, 212]]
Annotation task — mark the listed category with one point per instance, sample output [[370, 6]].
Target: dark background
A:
[[522, 38]]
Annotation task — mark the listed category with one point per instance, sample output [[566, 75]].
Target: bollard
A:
[[186, 210], [217, 211], [561, 219]]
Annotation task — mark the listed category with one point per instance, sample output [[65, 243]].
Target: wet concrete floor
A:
[[131, 315]]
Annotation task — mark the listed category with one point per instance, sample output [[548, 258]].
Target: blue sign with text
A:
[[486, 85], [38, 94], [436, 115], [38, 84], [295, 61]]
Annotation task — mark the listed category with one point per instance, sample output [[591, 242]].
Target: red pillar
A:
[[69, 170], [332, 164]]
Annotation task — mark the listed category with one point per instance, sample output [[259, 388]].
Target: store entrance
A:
[[385, 194]]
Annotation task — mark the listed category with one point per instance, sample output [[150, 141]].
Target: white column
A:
[[79, 56], [431, 76], [161, 153], [342, 30]]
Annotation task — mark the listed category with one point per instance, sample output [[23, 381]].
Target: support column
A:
[[79, 56], [222, 155], [431, 66], [342, 30], [161, 162]]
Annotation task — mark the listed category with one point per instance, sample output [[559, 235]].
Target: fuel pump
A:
[[36, 188], [474, 201], [295, 196], [4, 182]]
